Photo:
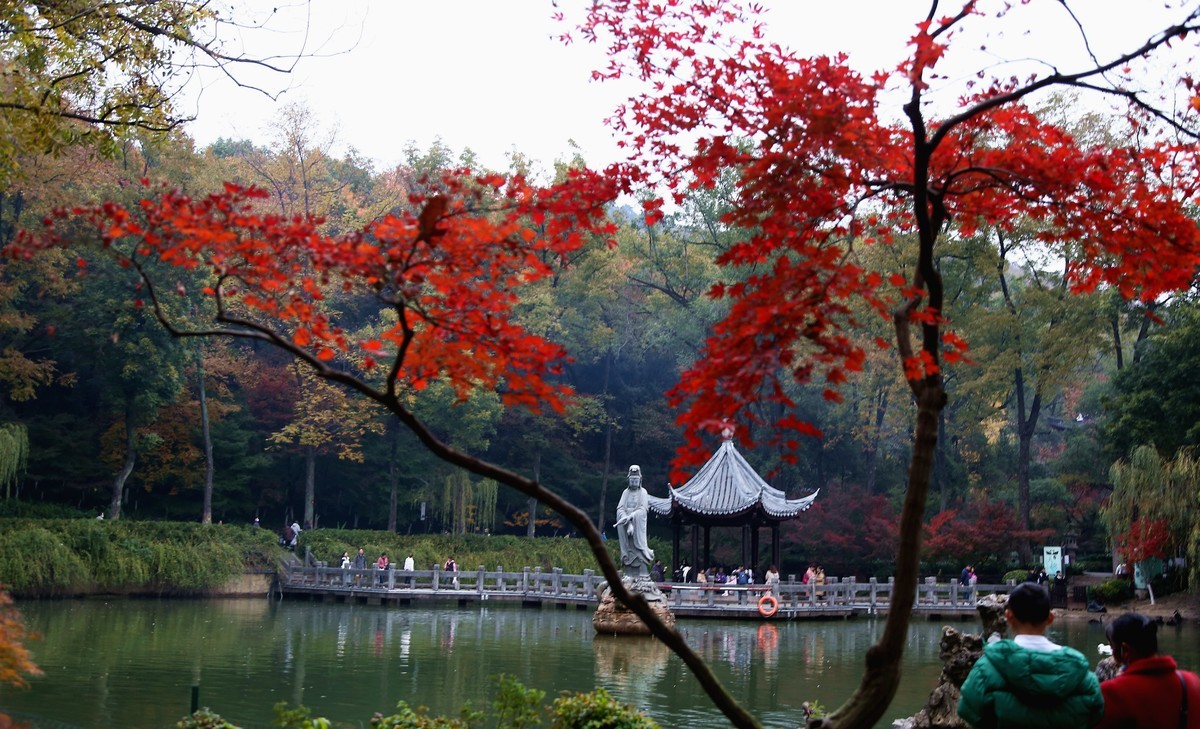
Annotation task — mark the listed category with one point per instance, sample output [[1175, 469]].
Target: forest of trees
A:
[[277, 329], [1056, 388]]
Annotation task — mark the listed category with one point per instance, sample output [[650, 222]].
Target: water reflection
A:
[[630, 664], [132, 663]]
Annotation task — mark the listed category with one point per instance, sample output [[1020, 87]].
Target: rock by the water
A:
[[613, 618]]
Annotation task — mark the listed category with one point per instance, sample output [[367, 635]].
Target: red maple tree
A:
[[1146, 539], [824, 170]]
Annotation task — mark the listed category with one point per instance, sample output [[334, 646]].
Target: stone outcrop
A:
[[612, 617]]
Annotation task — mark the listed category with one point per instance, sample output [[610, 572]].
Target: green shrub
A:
[[36, 558], [298, 718], [514, 707], [407, 718], [469, 550], [1112, 591], [597, 710], [11, 508], [205, 719], [65, 556], [1018, 574]]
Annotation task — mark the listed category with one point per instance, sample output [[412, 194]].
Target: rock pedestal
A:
[[613, 618]]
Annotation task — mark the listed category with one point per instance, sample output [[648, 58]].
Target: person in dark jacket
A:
[[1150, 692], [1029, 681]]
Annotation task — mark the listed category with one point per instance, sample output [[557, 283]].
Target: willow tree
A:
[[1150, 490], [14, 455]]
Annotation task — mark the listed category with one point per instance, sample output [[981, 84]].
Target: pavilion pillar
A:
[[746, 546], [707, 546], [775, 546], [696, 561], [754, 565], [676, 525]]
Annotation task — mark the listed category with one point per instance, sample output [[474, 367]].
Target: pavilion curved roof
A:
[[727, 486]]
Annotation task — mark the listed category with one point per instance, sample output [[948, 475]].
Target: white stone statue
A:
[[632, 511]]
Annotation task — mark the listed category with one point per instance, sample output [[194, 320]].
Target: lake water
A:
[[132, 663]]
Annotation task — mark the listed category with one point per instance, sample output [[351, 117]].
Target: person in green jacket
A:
[[1030, 682]]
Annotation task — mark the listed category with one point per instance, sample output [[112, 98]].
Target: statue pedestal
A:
[[613, 618]]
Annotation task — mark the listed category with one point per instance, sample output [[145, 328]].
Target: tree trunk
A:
[[1116, 332], [882, 676], [393, 476], [531, 527], [939, 469], [206, 436], [114, 506], [310, 486], [1026, 425], [608, 435], [872, 455]]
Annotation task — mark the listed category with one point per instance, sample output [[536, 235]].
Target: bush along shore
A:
[[70, 557], [73, 557]]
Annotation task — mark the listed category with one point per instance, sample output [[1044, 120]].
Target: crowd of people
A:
[[719, 575], [1030, 681]]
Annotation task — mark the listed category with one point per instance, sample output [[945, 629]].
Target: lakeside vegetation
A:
[[62, 557], [65, 557], [513, 706]]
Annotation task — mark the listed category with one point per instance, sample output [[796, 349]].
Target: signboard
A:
[[1052, 560]]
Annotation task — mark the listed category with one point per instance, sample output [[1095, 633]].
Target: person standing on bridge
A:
[[360, 563], [382, 563], [409, 565]]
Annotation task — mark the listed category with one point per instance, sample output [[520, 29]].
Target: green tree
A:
[[325, 421], [1156, 400], [1029, 344], [83, 73], [1151, 489]]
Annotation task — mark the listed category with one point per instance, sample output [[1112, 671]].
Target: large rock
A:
[[612, 617]]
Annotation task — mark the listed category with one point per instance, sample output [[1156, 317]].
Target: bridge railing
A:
[[529, 581], [835, 592]]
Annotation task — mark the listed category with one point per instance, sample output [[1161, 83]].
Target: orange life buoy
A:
[[767, 606]]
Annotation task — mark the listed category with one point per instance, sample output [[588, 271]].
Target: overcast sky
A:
[[490, 75]]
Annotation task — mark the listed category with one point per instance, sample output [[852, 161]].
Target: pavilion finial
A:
[[727, 431]]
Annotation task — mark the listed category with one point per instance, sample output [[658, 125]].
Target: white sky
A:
[[490, 75]]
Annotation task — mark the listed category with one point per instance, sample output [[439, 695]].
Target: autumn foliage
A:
[[15, 661], [449, 273], [822, 171], [825, 168], [1146, 539]]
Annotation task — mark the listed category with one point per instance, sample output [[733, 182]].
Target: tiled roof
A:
[[728, 485]]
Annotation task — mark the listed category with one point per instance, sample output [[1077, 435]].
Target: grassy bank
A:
[[62, 557]]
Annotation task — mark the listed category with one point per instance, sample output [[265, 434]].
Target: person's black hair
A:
[[1030, 603], [1137, 630]]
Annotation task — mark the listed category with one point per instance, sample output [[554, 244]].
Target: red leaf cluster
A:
[[451, 272], [822, 169], [1146, 539]]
